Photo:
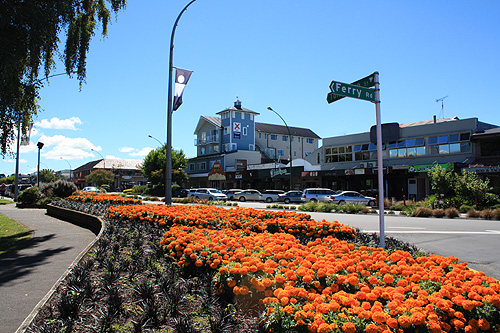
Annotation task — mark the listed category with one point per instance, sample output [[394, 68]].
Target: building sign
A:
[[309, 173], [236, 127], [427, 167], [278, 172], [216, 173], [483, 169], [241, 164]]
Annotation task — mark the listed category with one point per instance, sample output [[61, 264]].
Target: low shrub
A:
[[473, 213], [423, 212], [495, 214], [438, 212], [30, 195], [63, 188], [486, 214], [351, 208], [465, 208], [452, 212]]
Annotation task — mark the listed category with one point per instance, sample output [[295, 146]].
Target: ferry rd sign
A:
[[349, 90], [366, 82]]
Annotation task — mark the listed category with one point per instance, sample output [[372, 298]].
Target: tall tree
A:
[[153, 167], [29, 41], [100, 177]]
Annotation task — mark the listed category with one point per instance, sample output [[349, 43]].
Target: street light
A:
[[168, 167], [40, 146], [152, 137], [69, 167], [290, 137], [103, 159]]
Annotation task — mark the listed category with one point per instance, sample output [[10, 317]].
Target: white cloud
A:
[[126, 149], [58, 146], [142, 152], [56, 123]]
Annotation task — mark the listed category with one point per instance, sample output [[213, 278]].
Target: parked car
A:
[[9, 189], [180, 193], [318, 194], [248, 195], [230, 193], [354, 198], [91, 189], [290, 196], [271, 195], [209, 194]]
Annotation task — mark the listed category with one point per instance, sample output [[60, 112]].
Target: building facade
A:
[[350, 162], [127, 172], [232, 147]]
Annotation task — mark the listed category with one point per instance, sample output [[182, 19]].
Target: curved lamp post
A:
[[152, 137], [290, 138], [69, 167], [168, 168], [103, 159]]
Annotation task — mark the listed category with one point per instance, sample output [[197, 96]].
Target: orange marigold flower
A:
[[483, 324], [349, 328], [371, 328], [404, 321]]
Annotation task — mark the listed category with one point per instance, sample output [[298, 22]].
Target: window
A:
[[265, 136], [260, 135], [242, 115], [274, 137], [251, 147], [203, 165], [226, 131], [203, 150], [338, 154], [310, 140], [281, 152], [284, 138], [245, 131], [251, 117], [449, 144], [294, 153], [191, 166]]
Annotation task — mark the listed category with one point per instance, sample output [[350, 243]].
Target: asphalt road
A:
[[474, 241]]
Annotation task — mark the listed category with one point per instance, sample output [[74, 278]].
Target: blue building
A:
[[233, 149]]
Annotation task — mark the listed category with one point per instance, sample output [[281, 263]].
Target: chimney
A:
[[434, 119]]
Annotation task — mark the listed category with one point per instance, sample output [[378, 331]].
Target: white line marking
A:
[[487, 232]]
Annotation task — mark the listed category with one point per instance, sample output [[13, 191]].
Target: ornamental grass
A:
[[327, 284]]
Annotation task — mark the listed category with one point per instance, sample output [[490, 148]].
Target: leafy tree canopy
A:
[[100, 177], [47, 176], [153, 167], [29, 41]]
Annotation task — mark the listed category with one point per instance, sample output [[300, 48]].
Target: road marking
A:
[[487, 232], [412, 228]]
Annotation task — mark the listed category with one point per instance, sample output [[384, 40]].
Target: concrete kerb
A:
[[91, 222]]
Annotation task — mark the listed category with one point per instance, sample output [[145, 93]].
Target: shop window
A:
[[432, 140], [434, 150], [420, 151], [454, 138], [454, 148], [411, 152], [443, 139], [465, 147], [393, 153], [444, 149]]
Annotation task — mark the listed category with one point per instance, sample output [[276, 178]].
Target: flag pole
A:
[[168, 166], [379, 162]]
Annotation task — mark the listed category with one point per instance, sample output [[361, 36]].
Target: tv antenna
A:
[[442, 105]]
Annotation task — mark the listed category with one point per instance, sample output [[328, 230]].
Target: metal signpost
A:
[[361, 90]]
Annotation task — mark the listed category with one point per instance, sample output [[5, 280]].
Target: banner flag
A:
[[181, 79], [25, 138]]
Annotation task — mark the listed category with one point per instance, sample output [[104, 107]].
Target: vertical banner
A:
[[181, 79]]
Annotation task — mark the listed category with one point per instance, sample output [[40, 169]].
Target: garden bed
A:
[[211, 269]]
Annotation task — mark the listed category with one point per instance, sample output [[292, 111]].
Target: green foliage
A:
[[30, 195], [466, 188], [100, 177], [153, 167], [63, 188], [29, 42], [465, 208], [7, 180], [47, 176]]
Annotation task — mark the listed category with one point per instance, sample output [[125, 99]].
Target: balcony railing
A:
[[207, 140]]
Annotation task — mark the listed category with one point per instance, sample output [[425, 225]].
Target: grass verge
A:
[[12, 236]]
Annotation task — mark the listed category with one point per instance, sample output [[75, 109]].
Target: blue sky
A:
[[282, 54]]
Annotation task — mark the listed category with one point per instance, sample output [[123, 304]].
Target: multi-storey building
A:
[[350, 162], [232, 147]]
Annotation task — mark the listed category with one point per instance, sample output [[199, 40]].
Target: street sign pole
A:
[[380, 163]]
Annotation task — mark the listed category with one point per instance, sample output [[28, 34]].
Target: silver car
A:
[[354, 198], [318, 194], [230, 193], [271, 195], [248, 195], [209, 194]]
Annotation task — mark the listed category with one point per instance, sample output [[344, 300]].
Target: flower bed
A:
[[102, 197], [328, 284]]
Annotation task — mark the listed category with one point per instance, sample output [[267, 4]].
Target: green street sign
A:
[[366, 82], [349, 90]]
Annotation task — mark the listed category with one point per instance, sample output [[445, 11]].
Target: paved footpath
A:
[[30, 273]]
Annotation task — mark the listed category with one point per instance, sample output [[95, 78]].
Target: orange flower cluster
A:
[[246, 219], [328, 285], [102, 197]]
